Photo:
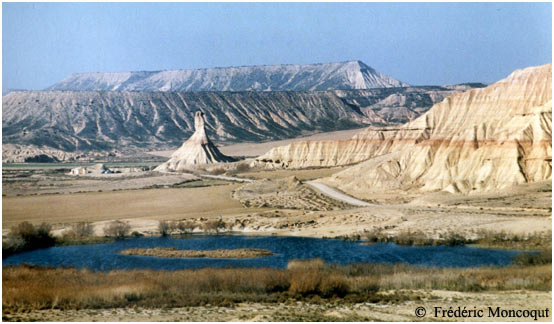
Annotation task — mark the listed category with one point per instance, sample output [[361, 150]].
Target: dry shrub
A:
[[321, 283], [533, 241], [82, 229], [312, 277], [26, 236], [534, 258], [333, 285], [186, 226], [214, 226], [365, 285], [242, 167], [417, 238], [164, 227], [173, 226], [217, 171], [117, 229], [305, 283]]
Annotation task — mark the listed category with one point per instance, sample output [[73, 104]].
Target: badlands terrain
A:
[[101, 115], [312, 77], [469, 162]]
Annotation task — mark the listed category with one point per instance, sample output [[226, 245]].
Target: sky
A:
[[419, 43]]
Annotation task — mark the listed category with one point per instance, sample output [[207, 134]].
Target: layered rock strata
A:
[[284, 77], [481, 139], [103, 121]]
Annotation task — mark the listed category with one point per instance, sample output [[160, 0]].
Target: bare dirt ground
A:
[[140, 205], [301, 311], [17, 183], [522, 210]]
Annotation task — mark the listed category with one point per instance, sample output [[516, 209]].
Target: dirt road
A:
[[337, 195]]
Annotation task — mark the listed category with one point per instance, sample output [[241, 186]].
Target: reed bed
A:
[[171, 252], [32, 287]]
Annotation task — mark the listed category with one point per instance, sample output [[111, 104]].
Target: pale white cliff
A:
[[198, 149], [309, 77]]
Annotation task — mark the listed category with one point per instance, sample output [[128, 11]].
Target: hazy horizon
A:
[[418, 43]]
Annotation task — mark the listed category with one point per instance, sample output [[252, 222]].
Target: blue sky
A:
[[422, 44]]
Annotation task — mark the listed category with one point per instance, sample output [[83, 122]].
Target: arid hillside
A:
[[283, 77], [481, 139], [84, 121]]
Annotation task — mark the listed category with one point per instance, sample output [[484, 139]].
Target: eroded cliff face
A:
[[481, 139], [83, 121], [197, 150]]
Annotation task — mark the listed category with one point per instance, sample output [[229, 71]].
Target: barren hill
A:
[[107, 120], [481, 139], [312, 77]]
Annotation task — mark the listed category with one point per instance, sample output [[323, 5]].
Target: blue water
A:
[[106, 256]]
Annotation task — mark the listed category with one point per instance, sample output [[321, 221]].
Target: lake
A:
[[106, 256]]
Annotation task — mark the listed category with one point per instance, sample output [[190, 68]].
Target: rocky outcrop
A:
[[104, 121], [482, 139], [312, 77], [197, 150]]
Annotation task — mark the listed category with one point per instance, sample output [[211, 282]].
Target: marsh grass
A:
[[502, 240], [31, 287], [409, 238], [481, 238]]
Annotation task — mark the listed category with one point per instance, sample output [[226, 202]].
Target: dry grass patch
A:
[[30, 288], [220, 253]]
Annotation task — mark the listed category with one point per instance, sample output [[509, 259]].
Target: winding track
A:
[[337, 195], [324, 189]]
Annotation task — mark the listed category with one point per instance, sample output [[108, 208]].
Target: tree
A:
[[83, 229], [164, 227], [117, 229]]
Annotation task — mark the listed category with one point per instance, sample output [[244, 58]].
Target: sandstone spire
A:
[[198, 149]]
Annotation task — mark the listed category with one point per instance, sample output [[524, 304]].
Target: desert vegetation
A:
[[411, 238], [486, 239], [26, 236], [117, 229], [81, 233], [32, 287], [182, 227], [214, 226]]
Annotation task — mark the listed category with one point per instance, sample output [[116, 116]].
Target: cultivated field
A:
[[152, 204]]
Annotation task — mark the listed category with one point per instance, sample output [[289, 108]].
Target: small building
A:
[[78, 171]]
